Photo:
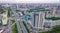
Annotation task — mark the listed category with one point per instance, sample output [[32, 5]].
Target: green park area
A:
[[9, 12], [38, 9], [55, 29], [1, 10], [14, 27], [53, 18], [13, 21]]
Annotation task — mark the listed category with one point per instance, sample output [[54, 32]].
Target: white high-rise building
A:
[[38, 19]]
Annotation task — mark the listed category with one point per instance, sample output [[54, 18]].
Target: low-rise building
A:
[[4, 19], [52, 22]]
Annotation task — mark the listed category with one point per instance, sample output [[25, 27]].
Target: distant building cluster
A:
[[33, 14]]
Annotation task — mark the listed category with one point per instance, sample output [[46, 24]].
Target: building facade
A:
[[38, 19]]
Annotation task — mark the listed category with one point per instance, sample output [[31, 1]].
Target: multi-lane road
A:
[[9, 26], [21, 28]]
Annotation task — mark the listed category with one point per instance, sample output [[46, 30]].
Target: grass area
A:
[[53, 18], [56, 29], [26, 27], [1, 10], [38, 9], [14, 29], [13, 20], [9, 12]]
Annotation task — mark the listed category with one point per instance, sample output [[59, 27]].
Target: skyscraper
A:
[[38, 19], [53, 11]]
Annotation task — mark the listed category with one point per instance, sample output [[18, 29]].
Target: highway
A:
[[17, 23], [23, 27], [20, 26], [9, 26]]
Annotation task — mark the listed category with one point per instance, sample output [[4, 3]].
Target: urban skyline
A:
[[29, 17]]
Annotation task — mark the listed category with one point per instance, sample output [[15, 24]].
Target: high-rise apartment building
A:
[[53, 11], [38, 19]]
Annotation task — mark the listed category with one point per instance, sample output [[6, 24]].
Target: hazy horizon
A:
[[29, 1]]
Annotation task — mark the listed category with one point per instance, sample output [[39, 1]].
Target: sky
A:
[[29, 1]]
